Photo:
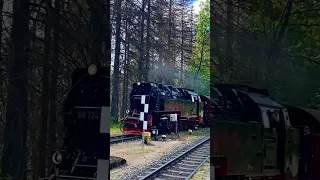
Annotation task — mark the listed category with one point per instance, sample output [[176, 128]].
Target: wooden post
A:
[[142, 114]]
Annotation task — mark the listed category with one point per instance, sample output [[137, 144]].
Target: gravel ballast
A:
[[132, 173]]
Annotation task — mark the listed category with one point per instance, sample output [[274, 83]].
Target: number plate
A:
[[88, 113]]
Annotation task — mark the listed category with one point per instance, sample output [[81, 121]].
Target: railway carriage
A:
[[247, 121], [169, 109]]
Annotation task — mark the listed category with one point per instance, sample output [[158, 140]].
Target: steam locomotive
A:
[[169, 109], [269, 138], [85, 145]]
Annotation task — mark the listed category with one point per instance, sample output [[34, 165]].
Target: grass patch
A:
[[202, 172], [146, 149], [185, 136], [198, 132], [115, 128]]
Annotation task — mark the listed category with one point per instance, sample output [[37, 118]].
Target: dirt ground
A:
[[133, 153]]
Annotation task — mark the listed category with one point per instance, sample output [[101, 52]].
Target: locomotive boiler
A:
[[164, 102]]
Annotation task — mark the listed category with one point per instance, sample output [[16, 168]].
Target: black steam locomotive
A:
[[84, 144], [272, 141], [164, 102]]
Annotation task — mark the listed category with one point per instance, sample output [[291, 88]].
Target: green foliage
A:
[[199, 64], [315, 101], [287, 64], [114, 127]]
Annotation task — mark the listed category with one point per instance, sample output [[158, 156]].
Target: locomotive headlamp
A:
[[57, 157], [138, 83], [127, 111], [154, 131], [92, 69]]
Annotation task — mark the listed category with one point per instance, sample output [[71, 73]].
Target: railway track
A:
[[122, 138], [183, 165]]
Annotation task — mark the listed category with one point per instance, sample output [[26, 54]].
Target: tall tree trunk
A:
[[14, 160], [201, 55], [45, 95], [229, 31], [1, 20], [107, 39], [125, 78], [124, 87], [141, 60], [169, 35], [219, 66], [200, 62], [278, 36], [182, 42], [147, 67], [35, 122], [97, 14], [53, 84], [126, 83], [191, 34], [115, 88], [1, 57]]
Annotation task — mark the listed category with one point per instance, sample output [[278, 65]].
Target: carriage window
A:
[[195, 98], [270, 117], [286, 117], [273, 115]]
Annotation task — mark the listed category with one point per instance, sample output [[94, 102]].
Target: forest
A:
[[42, 42], [162, 41], [269, 44]]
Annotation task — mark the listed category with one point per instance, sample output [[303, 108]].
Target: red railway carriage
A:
[[165, 109]]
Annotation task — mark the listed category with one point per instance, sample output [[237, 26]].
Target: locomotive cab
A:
[[248, 121]]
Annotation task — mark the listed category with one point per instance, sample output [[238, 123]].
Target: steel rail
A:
[[122, 138], [159, 171]]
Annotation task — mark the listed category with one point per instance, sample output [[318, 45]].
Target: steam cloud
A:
[[172, 76]]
